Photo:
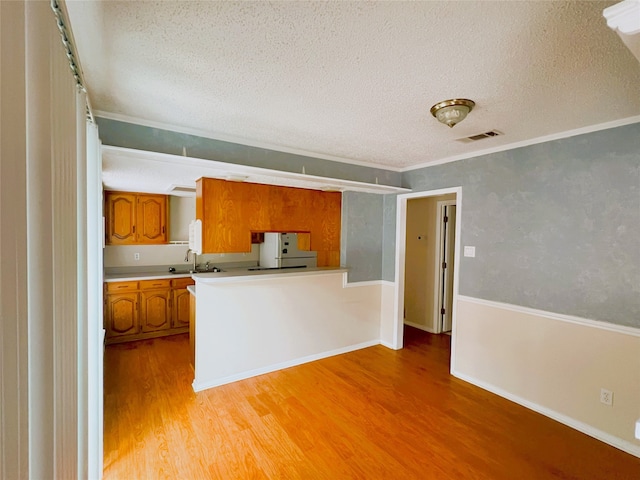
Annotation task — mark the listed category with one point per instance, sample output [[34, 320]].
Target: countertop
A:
[[126, 277], [227, 276], [243, 275]]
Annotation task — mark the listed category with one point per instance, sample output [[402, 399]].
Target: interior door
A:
[[447, 261]]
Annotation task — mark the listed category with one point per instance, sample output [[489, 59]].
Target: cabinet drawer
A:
[[113, 287], [182, 282], [160, 283]]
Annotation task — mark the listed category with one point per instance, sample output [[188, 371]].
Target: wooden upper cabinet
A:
[[136, 218], [232, 211], [152, 219], [121, 218]]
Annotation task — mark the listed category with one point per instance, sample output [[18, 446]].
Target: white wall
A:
[[553, 364], [181, 211], [252, 327], [387, 309]]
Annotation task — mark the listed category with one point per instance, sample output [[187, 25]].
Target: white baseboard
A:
[[421, 327], [387, 344], [367, 283], [607, 438], [197, 387]]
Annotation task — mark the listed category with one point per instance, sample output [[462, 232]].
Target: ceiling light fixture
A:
[[452, 112]]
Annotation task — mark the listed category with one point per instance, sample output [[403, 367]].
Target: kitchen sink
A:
[[200, 270], [178, 272]]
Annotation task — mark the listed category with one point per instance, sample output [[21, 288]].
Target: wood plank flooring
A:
[[371, 414]]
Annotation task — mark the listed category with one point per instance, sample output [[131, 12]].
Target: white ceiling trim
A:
[[238, 140], [526, 143], [231, 171], [624, 17]]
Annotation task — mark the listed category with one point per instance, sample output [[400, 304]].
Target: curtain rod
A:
[[70, 50]]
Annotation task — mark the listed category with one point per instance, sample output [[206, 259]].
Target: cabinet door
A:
[[155, 313], [152, 219], [120, 218], [122, 314], [181, 308]]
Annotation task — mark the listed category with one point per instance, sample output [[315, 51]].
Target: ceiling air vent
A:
[[480, 136]]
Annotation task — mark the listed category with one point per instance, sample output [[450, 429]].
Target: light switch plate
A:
[[469, 251]]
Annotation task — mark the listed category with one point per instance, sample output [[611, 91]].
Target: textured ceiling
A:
[[355, 80]]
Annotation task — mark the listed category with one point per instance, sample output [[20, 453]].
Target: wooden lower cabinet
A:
[[146, 309], [181, 308], [155, 311], [121, 316]]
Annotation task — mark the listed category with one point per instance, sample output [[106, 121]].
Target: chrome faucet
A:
[[195, 260]]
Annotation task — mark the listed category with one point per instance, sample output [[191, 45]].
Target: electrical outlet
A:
[[638, 429], [136, 256], [606, 396]]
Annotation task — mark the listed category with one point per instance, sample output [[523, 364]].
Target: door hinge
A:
[[442, 311], [444, 264], [445, 219]]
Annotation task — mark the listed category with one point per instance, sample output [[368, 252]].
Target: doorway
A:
[[445, 237], [406, 233]]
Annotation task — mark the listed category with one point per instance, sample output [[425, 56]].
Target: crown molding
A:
[[455, 158], [526, 143], [241, 141]]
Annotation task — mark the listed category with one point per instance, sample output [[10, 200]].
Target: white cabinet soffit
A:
[[137, 170]]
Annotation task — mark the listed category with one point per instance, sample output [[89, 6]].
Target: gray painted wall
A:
[[556, 225], [362, 235], [129, 135]]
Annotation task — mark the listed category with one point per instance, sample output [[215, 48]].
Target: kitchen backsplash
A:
[[125, 255]]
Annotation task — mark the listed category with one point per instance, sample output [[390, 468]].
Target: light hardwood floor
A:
[[371, 414]]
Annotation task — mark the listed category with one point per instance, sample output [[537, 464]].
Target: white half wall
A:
[[247, 328], [553, 364]]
